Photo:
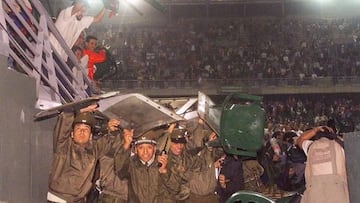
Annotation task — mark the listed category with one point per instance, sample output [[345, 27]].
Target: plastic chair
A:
[[248, 197], [291, 197]]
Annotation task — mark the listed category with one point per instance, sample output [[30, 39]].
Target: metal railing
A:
[[223, 83], [24, 39]]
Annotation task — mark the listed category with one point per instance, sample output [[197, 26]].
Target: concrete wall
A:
[[25, 145]]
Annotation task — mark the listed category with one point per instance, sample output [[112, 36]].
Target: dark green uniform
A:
[[146, 184], [203, 182], [114, 190], [183, 166], [73, 165]]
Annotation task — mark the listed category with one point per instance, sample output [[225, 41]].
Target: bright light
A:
[[134, 2], [94, 3], [325, 2], [356, 2]]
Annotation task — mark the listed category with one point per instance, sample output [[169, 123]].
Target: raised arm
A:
[[307, 135], [62, 130], [122, 156], [99, 16]]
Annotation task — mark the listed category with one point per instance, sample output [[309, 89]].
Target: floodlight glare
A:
[[134, 2], [325, 2], [94, 3]]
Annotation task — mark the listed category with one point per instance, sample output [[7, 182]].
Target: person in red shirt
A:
[[94, 56]]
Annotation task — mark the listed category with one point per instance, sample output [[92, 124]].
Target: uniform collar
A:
[[149, 162]]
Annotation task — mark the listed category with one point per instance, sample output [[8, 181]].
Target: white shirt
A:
[[305, 146], [70, 29], [79, 75]]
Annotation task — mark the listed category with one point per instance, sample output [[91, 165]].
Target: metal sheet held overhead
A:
[[209, 111], [138, 112], [72, 106]]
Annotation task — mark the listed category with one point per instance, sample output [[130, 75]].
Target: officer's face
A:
[[81, 133], [176, 148], [145, 151]]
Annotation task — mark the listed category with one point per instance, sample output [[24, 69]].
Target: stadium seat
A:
[[249, 197]]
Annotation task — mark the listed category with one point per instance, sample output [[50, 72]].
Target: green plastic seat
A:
[[248, 197], [242, 124], [285, 199], [291, 197]]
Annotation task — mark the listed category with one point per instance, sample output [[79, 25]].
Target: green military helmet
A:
[[178, 135], [85, 118]]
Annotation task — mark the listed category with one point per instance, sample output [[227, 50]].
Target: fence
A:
[[24, 39]]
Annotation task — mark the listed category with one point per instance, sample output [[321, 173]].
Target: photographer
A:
[[325, 171]]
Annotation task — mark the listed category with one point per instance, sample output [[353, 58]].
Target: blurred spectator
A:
[[71, 22], [95, 56], [12, 13], [78, 74]]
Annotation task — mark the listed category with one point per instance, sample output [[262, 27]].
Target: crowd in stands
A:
[[235, 49], [298, 113]]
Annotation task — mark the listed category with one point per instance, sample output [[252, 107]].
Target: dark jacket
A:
[[73, 165], [111, 184], [203, 182], [233, 171], [184, 166]]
